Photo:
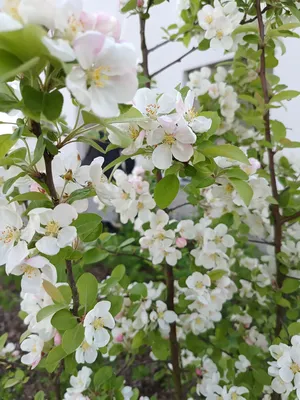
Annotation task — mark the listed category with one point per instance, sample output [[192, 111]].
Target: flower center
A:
[[140, 205], [98, 76], [160, 315], [208, 19], [134, 133], [74, 27], [11, 7], [68, 175], [198, 320], [220, 34], [229, 188], [85, 346], [125, 196], [191, 114], [295, 368], [169, 138], [10, 234], [152, 110], [28, 270], [52, 228], [199, 285], [234, 396], [98, 323]]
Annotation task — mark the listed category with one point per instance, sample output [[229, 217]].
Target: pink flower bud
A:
[[252, 168], [57, 339], [181, 242], [198, 372], [35, 187], [119, 338], [140, 3]]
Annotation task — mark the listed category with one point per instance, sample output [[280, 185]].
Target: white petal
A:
[[109, 322], [66, 236], [7, 23], [101, 309], [170, 316], [48, 245], [125, 86], [30, 283], [162, 156], [182, 152], [201, 124], [286, 374], [64, 214], [76, 83], [101, 337], [59, 48], [103, 102], [16, 255]]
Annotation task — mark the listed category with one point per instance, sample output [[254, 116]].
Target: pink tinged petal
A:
[[103, 102], [101, 337], [76, 83], [64, 214], [162, 156], [48, 245], [16, 256], [59, 48], [170, 316], [180, 108], [7, 23], [87, 47], [182, 152], [66, 236]]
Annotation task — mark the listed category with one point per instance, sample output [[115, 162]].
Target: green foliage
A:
[[89, 227], [166, 191], [87, 286]]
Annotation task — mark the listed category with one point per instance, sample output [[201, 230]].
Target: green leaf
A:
[[138, 291], [8, 103], [102, 376], [8, 62], [118, 272], [63, 320], [72, 338], [126, 243], [278, 129], [49, 310], [138, 340], [91, 142], [8, 184], [290, 285], [53, 105], [289, 144], [284, 95], [244, 190], [5, 141], [89, 226], [53, 292], [56, 354], [294, 328], [3, 339], [80, 194], [223, 150], [236, 172], [116, 304], [261, 376], [19, 68], [39, 395], [87, 286], [33, 99], [93, 256], [30, 196], [39, 150], [132, 115], [166, 191], [217, 274]]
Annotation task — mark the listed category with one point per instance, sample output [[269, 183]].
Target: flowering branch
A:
[[274, 207], [158, 46], [290, 217], [73, 287]]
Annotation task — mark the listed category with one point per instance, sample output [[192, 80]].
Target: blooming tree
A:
[[198, 307]]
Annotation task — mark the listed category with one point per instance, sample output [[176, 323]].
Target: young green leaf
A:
[[223, 150], [244, 190], [72, 338], [166, 191], [87, 286]]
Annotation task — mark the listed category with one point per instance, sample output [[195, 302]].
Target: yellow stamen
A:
[[99, 76], [98, 323], [52, 228]]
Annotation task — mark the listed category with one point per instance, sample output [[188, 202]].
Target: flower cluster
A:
[[285, 370], [168, 128], [105, 70]]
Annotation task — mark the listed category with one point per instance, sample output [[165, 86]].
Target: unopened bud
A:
[[140, 3], [181, 242], [57, 339], [119, 338]]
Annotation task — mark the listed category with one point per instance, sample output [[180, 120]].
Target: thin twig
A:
[[176, 207], [245, 21], [290, 217], [173, 62], [261, 242], [158, 46]]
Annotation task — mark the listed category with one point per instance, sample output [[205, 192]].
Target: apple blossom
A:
[[33, 345]]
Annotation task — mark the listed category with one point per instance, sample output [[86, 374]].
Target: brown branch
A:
[[274, 207], [179, 206], [290, 217], [145, 52], [174, 345], [173, 62], [73, 287], [261, 242], [245, 21]]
